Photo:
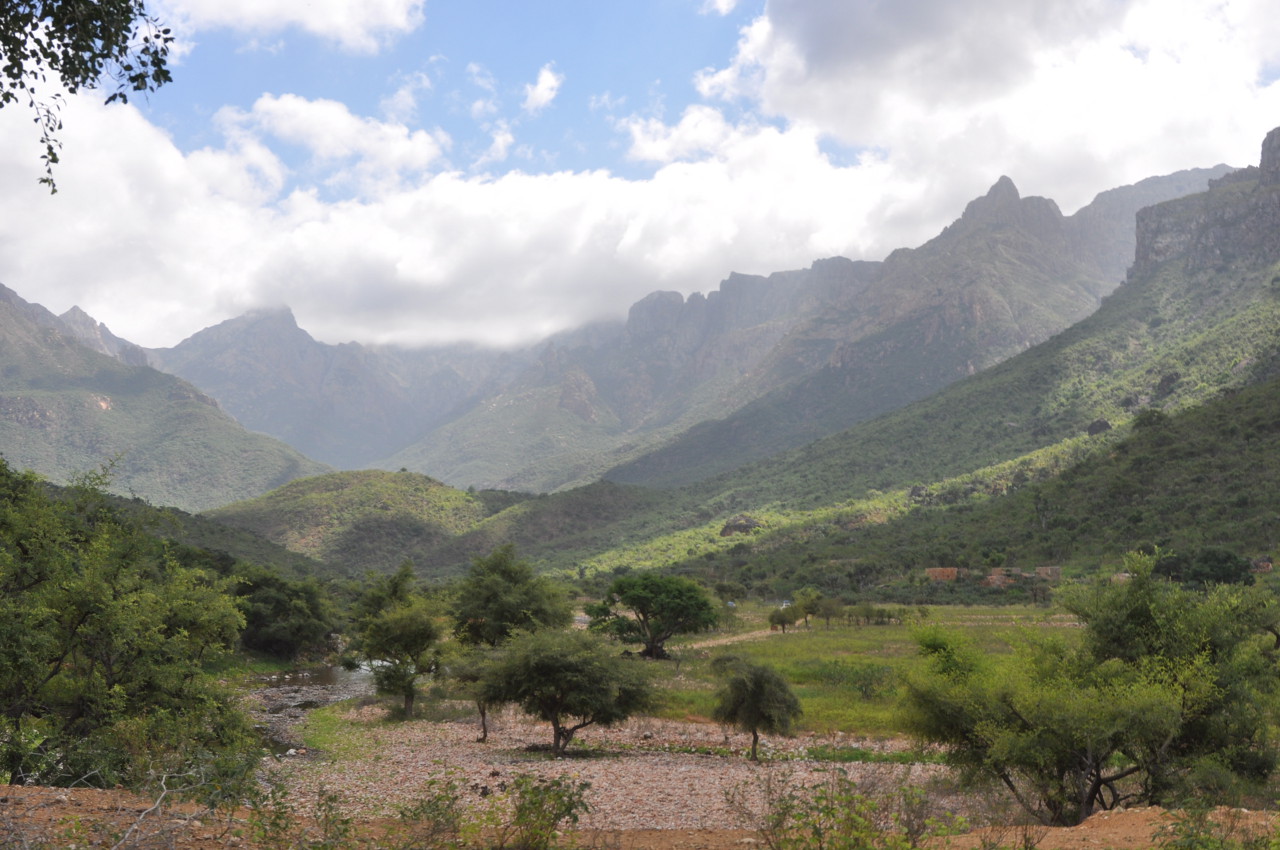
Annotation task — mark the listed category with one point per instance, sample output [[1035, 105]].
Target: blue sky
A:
[[467, 67], [436, 171]]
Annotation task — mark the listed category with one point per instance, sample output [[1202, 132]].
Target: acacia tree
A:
[[650, 608], [754, 698], [104, 638], [501, 595], [1168, 690], [569, 679], [400, 642], [806, 601], [783, 617], [83, 44]]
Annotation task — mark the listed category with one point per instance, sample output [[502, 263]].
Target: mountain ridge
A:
[[68, 410], [604, 399]]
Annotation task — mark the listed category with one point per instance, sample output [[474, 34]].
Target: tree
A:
[[1169, 691], [754, 698], [569, 679], [783, 617], [472, 668], [650, 608], [84, 44], [501, 595], [829, 608], [806, 601], [400, 642], [1205, 568], [104, 643], [284, 618]]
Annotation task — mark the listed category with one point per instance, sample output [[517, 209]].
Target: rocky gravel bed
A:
[[279, 702], [641, 774]]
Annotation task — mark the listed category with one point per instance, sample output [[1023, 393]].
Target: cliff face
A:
[[836, 342], [1239, 216]]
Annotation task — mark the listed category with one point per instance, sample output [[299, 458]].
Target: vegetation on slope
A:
[[362, 520], [65, 410]]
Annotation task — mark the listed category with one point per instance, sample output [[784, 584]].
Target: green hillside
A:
[[66, 410], [1007, 275], [364, 520], [1185, 482], [1193, 326]]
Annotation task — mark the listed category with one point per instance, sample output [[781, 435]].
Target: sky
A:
[[424, 172]]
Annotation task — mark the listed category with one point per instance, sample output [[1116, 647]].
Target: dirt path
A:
[[728, 639]]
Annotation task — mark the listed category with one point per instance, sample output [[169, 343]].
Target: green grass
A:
[[326, 731], [846, 677]]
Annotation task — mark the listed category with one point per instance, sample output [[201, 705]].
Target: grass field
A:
[[847, 677]]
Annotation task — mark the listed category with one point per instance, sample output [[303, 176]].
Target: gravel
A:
[[638, 777]]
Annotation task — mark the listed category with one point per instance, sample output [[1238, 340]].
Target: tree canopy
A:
[[83, 44], [401, 642], [501, 594], [104, 638], [754, 698], [651, 608], [1167, 692], [570, 679]]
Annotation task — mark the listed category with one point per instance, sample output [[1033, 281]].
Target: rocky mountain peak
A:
[[1238, 217], [1001, 200], [1270, 163], [89, 331]]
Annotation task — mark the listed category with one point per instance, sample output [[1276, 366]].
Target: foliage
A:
[[283, 618], [783, 617], [805, 601], [755, 699], [502, 595], [569, 679], [539, 807], [82, 43], [400, 644], [649, 608], [361, 520], [104, 638], [833, 814], [1168, 693]]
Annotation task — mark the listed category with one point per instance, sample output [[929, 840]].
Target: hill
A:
[[355, 521], [790, 357], [1194, 320], [66, 409]]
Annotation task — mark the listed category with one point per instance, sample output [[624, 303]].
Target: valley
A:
[[979, 528]]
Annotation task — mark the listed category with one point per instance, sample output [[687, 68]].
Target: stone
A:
[[1270, 162]]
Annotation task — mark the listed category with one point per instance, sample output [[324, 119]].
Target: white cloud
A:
[[838, 141], [606, 101], [1067, 97], [538, 95], [365, 154], [361, 26], [159, 245], [719, 7], [401, 106], [502, 140]]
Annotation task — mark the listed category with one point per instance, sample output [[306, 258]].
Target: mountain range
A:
[[999, 356], [997, 467], [790, 357], [68, 409]]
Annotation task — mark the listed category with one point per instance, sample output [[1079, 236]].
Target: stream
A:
[[280, 701]]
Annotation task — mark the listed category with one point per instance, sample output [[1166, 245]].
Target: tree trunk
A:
[[755, 740], [408, 703], [484, 721]]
